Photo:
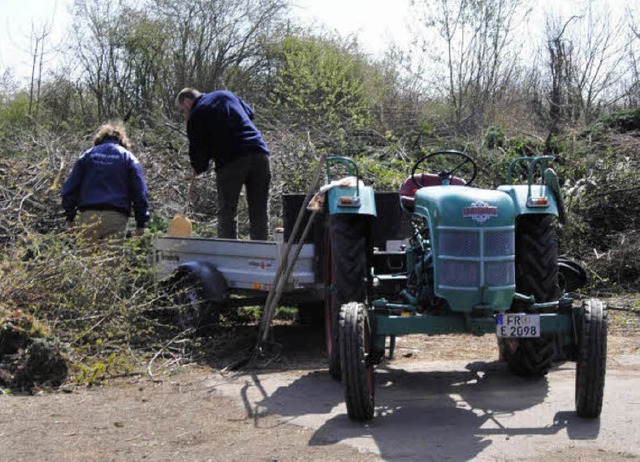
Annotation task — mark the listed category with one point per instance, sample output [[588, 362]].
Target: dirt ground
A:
[[181, 415]]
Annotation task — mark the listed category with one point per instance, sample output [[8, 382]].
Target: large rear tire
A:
[[537, 275], [592, 359], [357, 368], [347, 256]]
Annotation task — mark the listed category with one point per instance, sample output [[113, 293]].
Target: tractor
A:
[[477, 261]]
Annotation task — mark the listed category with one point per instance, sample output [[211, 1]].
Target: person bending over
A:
[[220, 128]]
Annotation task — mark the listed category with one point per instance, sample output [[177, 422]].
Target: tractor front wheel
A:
[[592, 359], [347, 256], [357, 368]]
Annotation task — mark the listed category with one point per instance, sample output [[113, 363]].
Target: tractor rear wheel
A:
[[537, 258], [592, 359], [347, 255], [357, 369], [537, 275]]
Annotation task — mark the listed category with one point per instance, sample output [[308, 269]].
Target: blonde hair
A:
[[187, 93], [112, 131]]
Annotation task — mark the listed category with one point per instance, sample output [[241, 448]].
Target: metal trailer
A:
[[247, 268], [216, 275]]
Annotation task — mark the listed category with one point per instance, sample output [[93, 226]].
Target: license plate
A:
[[518, 325]]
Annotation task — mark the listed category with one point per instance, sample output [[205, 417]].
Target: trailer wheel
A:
[[198, 303], [592, 359], [347, 253], [357, 368], [537, 275]]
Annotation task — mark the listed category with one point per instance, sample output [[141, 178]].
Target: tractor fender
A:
[[351, 200], [524, 203], [214, 285]]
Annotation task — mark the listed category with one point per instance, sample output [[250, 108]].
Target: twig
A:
[[20, 208], [175, 128], [614, 191], [92, 327], [135, 437], [164, 347]]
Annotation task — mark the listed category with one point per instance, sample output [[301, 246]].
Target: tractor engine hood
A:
[[472, 237], [465, 206]]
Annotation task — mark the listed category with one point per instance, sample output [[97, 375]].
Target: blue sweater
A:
[[220, 127], [106, 177]]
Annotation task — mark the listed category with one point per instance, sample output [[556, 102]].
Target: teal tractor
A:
[[478, 261]]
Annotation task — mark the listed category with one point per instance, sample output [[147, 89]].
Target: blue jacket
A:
[[220, 127], [106, 177]]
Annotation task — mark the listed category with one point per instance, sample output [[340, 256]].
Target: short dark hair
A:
[[187, 93]]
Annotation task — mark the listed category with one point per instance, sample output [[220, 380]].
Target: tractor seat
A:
[[409, 187]]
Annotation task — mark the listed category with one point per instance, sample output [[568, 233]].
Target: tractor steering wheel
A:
[[445, 174]]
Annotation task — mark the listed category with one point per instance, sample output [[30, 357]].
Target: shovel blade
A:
[[180, 226]]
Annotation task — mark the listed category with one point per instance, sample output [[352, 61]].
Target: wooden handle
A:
[[190, 192]]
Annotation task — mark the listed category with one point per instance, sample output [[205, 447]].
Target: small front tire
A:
[[357, 367], [592, 359]]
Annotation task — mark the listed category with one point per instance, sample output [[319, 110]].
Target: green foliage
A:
[[493, 166], [494, 137], [143, 42], [553, 145], [624, 121], [14, 114], [320, 85], [383, 175], [158, 224], [523, 146], [285, 313], [99, 298], [96, 372], [24, 323]]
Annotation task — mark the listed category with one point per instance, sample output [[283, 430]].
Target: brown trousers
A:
[[102, 224]]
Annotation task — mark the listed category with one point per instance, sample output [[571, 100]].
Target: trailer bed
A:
[[244, 264]]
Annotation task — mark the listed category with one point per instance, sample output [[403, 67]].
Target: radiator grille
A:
[[500, 243], [478, 258], [459, 244], [460, 274], [500, 274]]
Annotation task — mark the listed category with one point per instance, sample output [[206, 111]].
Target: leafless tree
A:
[[135, 56], [479, 52], [40, 50], [219, 43], [96, 49], [559, 66], [586, 66], [633, 56], [599, 62]]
